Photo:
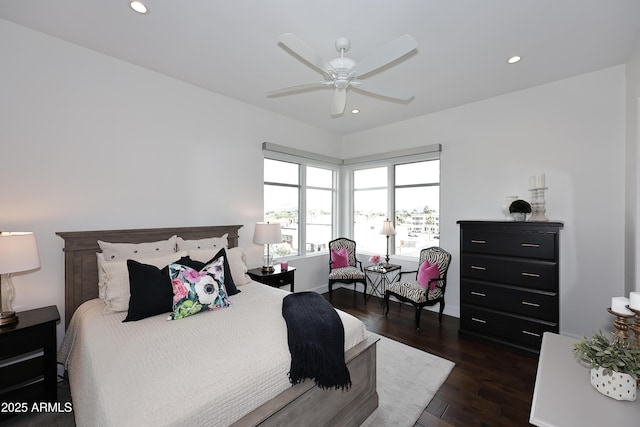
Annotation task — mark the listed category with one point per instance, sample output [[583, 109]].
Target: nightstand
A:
[[276, 279], [28, 358]]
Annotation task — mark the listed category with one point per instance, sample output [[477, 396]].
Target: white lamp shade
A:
[[267, 232], [387, 228], [18, 252]]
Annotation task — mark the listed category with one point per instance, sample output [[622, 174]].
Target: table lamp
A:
[[18, 252], [387, 228], [266, 233]]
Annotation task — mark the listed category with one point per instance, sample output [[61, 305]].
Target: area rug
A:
[[408, 379]]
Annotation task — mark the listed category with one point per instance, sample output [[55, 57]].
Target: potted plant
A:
[[519, 209], [615, 366]]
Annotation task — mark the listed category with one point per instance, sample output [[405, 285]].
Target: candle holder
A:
[[622, 327], [538, 202], [635, 327]]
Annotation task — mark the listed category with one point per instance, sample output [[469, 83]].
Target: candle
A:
[[619, 305], [284, 265], [634, 300], [532, 182], [541, 181]]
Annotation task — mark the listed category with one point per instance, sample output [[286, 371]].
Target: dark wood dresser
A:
[[509, 282]]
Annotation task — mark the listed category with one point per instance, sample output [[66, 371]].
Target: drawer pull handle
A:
[[531, 333], [478, 294], [532, 304], [478, 267], [479, 242], [530, 274], [478, 320], [530, 245]]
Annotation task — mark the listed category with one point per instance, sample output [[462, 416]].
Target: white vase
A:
[[617, 386], [505, 205], [519, 216]]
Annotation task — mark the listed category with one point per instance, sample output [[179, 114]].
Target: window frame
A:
[[302, 163], [342, 215], [390, 163]]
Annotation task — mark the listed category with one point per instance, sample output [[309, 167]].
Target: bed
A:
[[158, 372]]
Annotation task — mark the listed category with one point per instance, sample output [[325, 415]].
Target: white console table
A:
[[564, 397]]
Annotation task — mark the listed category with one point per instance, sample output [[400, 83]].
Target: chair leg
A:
[[330, 291], [418, 312], [441, 310], [365, 292], [386, 302]]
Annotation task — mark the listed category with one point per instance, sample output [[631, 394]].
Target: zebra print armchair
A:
[[352, 273], [413, 292]]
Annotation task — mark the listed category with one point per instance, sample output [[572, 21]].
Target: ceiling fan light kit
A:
[[343, 73]]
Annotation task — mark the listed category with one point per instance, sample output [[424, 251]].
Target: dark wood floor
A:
[[489, 386]]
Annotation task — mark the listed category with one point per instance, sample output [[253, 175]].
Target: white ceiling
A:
[[231, 46]]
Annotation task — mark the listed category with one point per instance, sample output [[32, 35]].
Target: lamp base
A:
[[8, 318], [268, 269]]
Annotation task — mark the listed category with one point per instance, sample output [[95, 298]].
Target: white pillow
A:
[[238, 266], [216, 243], [124, 251], [101, 276], [116, 274]]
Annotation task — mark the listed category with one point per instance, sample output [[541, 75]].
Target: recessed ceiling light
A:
[[139, 7], [355, 111], [514, 59]]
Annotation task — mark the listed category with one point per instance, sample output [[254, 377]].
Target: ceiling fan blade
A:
[[295, 88], [339, 101], [380, 90], [305, 52], [386, 54]]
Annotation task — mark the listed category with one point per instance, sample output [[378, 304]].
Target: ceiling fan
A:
[[342, 73]]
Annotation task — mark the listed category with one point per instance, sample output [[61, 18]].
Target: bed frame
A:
[[302, 404]]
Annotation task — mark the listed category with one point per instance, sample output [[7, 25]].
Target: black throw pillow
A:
[[150, 288], [232, 289]]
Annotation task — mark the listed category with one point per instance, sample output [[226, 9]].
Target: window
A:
[[370, 207], [319, 212], [282, 201], [301, 193], [408, 193], [417, 207], [298, 193]]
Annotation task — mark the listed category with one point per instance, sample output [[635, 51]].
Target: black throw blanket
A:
[[316, 341]]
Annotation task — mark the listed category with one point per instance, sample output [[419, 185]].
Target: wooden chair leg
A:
[[330, 291], [365, 292], [386, 302], [418, 312], [441, 310]]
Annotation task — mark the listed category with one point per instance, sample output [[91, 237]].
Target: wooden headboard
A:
[[81, 266]]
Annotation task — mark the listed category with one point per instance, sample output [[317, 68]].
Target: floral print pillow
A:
[[195, 291]]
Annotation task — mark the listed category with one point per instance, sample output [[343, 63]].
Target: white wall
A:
[[89, 142], [632, 232], [574, 131]]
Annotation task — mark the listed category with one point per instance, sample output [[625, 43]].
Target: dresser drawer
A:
[[503, 326], [537, 304], [539, 245], [534, 274]]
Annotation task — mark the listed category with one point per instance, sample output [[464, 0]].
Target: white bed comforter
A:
[[209, 369]]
